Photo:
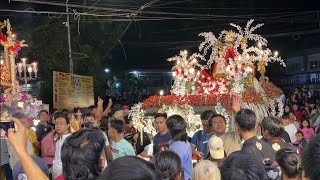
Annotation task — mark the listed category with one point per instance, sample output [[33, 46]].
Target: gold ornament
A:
[[230, 37], [276, 146], [259, 146], [243, 43]]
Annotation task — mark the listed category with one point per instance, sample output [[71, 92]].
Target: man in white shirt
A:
[[62, 127]]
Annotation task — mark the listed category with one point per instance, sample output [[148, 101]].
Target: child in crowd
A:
[[306, 129], [300, 141], [297, 112], [289, 127], [293, 120]]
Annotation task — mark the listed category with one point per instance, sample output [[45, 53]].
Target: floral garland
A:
[[144, 123], [18, 103]]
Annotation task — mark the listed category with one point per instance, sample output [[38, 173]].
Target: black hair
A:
[[49, 129], [301, 126], [242, 166], [87, 125], [19, 115], [273, 125], [207, 115], [216, 115], [168, 165], [43, 111], [88, 114], [129, 167], [177, 128], [246, 119], [75, 110], [290, 162], [104, 123], [311, 159], [80, 154], [285, 116], [300, 132], [65, 111], [164, 115], [62, 115], [145, 141], [118, 125], [92, 107]]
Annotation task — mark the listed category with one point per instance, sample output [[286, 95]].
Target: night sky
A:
[[168, 26]]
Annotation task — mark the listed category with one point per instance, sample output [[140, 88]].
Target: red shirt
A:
[[298, 115]]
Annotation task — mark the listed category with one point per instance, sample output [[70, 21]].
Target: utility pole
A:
[[69, 39]]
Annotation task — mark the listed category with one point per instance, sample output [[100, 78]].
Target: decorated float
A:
[[12, 99], [221, 77]]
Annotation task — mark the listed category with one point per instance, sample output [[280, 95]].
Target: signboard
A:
[[71, 90]]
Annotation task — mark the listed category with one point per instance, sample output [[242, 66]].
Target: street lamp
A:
[[30, 68], [107, 70]]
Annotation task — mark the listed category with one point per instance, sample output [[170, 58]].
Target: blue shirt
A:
[[121, 148], [159, 142], [183, 149], [204, 138]]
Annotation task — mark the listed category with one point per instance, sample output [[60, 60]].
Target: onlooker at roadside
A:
[[179, 144], [242, 166], [18, 171], [4, 154], [216, 151], [13, 155], [48, 148], [168, 165], [206, 170], [289, 128], [311, 159], [119, 146], [308, 132], [297, 112], [41, 128], [290, 163], [162, 138], [129, 167], [271, 130], [231, 140], [199, 147], [83, 156], [62, 128], [300, 142], [246, 125]]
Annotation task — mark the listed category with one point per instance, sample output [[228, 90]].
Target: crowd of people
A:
[[97, 143]]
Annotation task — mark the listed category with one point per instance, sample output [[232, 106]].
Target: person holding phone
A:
[[4, 154]]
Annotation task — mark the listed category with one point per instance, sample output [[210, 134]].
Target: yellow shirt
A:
[[75, 125], [33, 139]]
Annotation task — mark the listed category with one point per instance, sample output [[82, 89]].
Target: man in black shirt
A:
[[272, 128], [41, 128], [246, 125]]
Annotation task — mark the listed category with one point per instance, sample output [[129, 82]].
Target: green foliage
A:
[[47, 40]]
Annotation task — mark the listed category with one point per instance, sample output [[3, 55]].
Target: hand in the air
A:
[[236, 103]]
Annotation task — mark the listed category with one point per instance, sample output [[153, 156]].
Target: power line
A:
[[145, 12]]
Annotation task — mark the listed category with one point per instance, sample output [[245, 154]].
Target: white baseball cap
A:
[[215, 147]]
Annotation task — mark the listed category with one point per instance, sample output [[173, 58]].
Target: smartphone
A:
[[4, 126]]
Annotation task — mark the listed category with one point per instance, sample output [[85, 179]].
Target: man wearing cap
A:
[[216, 151], [201, 137]]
